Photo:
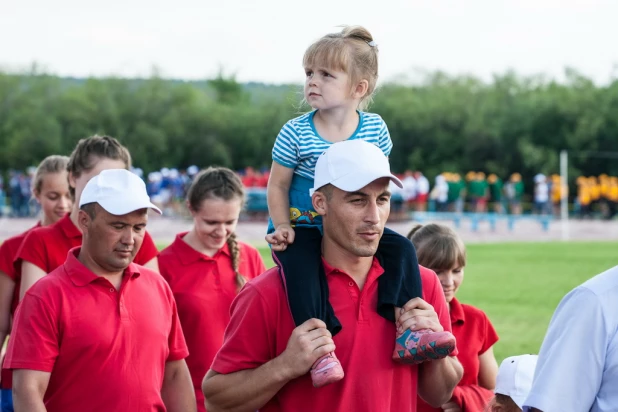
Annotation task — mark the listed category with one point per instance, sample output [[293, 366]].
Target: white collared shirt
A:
[[577, 368]]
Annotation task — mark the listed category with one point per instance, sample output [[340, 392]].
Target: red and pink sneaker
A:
[[413, 347], [326, 370]]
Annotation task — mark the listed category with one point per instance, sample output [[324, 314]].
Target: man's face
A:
[[355, 220], [113, 241]]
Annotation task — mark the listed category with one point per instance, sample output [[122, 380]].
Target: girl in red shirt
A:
[[44, 249], [440, 249], [50, 188], [207, 266]]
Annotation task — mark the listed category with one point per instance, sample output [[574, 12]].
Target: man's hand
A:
[[281, 237], [308, 343], [417, 314]]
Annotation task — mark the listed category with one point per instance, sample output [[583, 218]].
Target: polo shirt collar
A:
[[188, 255], [80, 275], [457, 312], [375, 271], [68, 227]]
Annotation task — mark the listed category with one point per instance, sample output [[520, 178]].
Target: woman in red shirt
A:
[[46, 248], [207, 266], [50, 188], [440, 249]]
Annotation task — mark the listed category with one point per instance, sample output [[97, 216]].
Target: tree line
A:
[[439, 123]]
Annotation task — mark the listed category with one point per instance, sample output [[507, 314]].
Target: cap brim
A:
[[354, 181], [127, 206]]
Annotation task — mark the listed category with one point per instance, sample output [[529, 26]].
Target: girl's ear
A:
[[360, 90], [72, 180], [189, 208]]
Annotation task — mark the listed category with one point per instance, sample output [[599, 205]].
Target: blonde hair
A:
[[219, 183], [352, 51], [51, 164], [438, 247]]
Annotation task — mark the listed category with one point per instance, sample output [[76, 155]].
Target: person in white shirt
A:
[[577, 369], [541, 194], [409, 188], [439, 193], [422, 191]]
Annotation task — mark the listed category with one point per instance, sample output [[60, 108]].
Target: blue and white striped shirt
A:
[[299, 145]]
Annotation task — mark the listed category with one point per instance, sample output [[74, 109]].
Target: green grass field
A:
[[519, 285]]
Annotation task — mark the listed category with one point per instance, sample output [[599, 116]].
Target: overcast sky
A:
[[265, 40]]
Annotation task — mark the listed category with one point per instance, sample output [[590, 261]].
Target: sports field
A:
[[520, 284]]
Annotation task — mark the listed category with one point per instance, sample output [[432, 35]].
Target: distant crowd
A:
[[475, 192]]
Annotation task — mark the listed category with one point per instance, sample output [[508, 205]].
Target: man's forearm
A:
[[177, 392], [247, 390], [437, 380]]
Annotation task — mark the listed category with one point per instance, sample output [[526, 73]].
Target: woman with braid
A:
[[206, 267]]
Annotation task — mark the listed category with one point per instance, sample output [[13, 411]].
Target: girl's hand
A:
[[281, 237]]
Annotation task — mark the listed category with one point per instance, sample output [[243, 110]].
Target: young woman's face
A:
[[450, 280], [54, 197], [215, 221], [100, 164]]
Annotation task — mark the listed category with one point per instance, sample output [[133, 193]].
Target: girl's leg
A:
[[304, 279], [400, 283]]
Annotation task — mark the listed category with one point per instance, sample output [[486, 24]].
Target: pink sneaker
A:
[[413, 347], [326, 370]]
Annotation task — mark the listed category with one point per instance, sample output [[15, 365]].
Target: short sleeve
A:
[[164, 268], [34, 342], [286, 148], [33, 250], [7, 255], [247, 337], [490, 334], [176, 340], [576, 340], [259, 264], [147, 251], [433, 294], [384, 139], [255, 264]]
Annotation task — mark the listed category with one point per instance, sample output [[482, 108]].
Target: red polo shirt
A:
[[261, 326], [47, 247], [8, 266], [106, 349], [8, 252], [204, 288], [475, 334]]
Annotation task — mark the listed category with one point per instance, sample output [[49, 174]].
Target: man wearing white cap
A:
[[578, 362], [513, 383], [101, 333], [264, 361]]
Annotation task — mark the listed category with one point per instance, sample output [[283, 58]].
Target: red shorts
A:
[[421, 198]]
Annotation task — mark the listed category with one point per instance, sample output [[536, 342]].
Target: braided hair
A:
[[219, 183]]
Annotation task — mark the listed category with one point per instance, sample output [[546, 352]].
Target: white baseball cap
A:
[[351, 165], [515, 377], [118, 191]]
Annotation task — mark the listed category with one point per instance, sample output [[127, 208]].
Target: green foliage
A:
[[441, 123]]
